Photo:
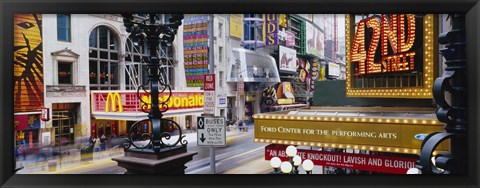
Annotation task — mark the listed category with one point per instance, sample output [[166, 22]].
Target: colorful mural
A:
[[28, 62]]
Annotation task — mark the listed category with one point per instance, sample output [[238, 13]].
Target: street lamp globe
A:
[[286, 167], [297, 160], [414, 171], [275, 162], [291, 151], [307, 165]]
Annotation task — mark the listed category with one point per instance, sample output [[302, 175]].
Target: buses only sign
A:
[[211, 131]]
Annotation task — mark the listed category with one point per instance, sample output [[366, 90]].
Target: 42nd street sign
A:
[[211, 131]]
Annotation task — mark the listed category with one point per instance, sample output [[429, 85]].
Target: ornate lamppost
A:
[[453, 112], [159, 151], [291, 166]]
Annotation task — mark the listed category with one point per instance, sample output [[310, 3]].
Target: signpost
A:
[[211, 132]]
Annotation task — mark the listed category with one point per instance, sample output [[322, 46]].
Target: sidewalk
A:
[[35, 165]]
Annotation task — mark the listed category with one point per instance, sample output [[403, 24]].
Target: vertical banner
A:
[[195, 48], [236, 25], [28, 62], [271, 23]]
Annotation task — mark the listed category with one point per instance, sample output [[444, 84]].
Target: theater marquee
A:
[[391, 55]]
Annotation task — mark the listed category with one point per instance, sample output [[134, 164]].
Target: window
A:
[[220, 30], [220, 79], [220, 54], [103, 59], [136, 54], [65, 74], [63, 27]]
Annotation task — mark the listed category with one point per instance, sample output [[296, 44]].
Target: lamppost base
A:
[[168, 161]]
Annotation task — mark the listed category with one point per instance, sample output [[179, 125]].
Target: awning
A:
[[257, 70], [252, 66]]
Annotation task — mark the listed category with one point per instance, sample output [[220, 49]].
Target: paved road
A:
[[241, 156]]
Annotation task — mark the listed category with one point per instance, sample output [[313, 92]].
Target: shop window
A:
[[63, 27]]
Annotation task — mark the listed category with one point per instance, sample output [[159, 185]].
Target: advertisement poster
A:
[[290, 42], [387, 164], [236, 25], [333, 69], [195, 44], [288, 59], [28, 62], [314, 41]]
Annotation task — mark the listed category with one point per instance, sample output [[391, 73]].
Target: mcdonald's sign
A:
[[114, 99]]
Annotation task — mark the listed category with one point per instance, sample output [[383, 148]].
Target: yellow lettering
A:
[[191, 101], [176, 102], [115, 99], [184, 102]]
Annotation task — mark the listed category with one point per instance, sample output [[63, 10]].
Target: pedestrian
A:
[[103, 139], [96, 144], [240, 125]]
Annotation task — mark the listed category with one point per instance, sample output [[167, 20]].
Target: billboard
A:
[[195, 48], [287, 59], [236, 25], [28, 62], [314, 40]]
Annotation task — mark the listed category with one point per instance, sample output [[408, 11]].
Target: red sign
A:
[[393, 165], [209, 82], [128, 101], [45, 114]]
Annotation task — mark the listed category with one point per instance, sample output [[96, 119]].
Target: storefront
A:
[[27, 132], [114, 112]]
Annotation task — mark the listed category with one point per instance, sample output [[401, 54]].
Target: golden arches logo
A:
[[114, 98]]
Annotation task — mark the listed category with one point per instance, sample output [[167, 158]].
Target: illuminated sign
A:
[[391, 56], [394, 38], [374, 134], [127, 101]]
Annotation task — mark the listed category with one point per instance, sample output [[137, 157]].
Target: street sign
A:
[[209, 102], [209, 94], [211, 131]]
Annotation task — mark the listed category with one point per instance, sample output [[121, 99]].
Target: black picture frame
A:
[[10, 7]]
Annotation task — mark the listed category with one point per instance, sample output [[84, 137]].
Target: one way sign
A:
[[211, 131]]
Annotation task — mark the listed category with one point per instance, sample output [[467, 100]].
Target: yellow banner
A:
[[356, 133], [236, 25]]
